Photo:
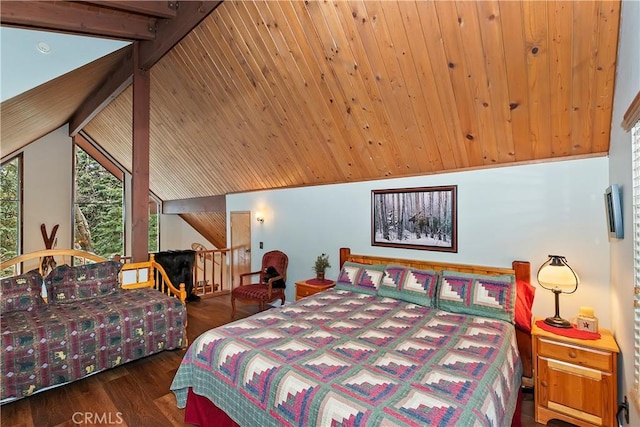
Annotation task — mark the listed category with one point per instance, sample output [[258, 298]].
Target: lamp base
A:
[[557, 322]]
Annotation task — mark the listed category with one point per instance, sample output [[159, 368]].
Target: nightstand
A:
[[575, 379], [309, 287]]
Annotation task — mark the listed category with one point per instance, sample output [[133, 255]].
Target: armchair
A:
[[262, 291]]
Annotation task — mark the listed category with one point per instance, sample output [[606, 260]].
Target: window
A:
[[98, 207], [154, 226], [10, 207]]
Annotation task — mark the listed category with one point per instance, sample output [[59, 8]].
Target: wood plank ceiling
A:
[[266, 94]]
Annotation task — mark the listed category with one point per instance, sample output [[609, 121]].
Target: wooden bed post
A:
[[344, 254], [523, 270]]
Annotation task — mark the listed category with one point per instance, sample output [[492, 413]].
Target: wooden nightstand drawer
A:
[[590, 358], [305, 289]]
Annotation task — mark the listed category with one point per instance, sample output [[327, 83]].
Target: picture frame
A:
[[422, 218]]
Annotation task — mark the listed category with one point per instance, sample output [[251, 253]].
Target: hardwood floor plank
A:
[[167, 404], [17, 414], [134, 403]]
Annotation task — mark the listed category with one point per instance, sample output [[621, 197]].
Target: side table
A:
[[309, 287], [575, 378]]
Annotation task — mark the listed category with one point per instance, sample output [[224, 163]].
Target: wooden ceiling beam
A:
[[159, 9], [171, 31], [114, 85], [140, 160], [195, 205], [77, 19]]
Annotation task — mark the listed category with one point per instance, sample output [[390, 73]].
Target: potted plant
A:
[[321, 264]]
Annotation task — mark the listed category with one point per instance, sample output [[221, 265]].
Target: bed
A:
[[375, 350], [68, 314]]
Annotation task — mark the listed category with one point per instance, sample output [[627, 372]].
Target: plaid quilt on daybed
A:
[[57, 343], [350, 359]]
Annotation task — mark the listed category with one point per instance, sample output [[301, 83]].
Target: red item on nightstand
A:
[[571, 332], [316, 282]]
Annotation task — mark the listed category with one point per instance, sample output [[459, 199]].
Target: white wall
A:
[[47, 172], [47, 197], [520, 212], [621, 255], [176, 234]]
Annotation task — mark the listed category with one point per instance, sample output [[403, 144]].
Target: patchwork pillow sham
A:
[[480, 295], [68, 284], [361, 278], [409, 284], [21, 293]]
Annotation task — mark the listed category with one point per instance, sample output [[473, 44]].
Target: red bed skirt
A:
[[200, 411]]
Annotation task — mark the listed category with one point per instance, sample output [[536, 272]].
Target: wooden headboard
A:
[[521, 269]]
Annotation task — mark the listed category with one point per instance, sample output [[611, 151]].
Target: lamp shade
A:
[[556, 273], [556, 276]]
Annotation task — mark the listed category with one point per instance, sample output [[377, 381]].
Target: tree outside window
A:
[[98, 208], [154, 228], [10, 212]]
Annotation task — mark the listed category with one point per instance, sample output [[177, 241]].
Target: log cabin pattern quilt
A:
[[352, 359]]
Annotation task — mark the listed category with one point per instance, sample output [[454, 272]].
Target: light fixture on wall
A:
[[556, 276], [260, 217]]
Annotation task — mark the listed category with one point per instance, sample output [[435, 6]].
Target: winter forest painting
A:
[[415, 218]]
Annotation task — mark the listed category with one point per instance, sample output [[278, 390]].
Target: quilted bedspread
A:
[[344, 358], [58, 343]]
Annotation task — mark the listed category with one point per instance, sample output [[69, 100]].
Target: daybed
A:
[[97, 314], [396, 342]]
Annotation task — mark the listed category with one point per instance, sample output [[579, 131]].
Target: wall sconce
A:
[[260, 218], [556, 276]]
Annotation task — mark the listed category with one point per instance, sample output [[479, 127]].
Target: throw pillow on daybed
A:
[[480, 295], [360, 278], [409, 284], [68, 284], [21, 292]]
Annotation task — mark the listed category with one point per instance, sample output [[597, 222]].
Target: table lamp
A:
[[556, 275]]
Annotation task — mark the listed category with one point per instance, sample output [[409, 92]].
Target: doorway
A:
[[240, 245]]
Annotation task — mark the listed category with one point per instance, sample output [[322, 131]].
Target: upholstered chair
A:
[[260, 287]]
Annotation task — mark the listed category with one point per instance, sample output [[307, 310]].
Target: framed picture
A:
[[415, 218]]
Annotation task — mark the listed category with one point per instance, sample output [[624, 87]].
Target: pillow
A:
[[524, 301], [360, 278], [486, 296], [21, 293], [409, 284], [68, 284]]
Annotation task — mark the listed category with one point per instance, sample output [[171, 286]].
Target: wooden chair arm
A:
[[270, 283], [243, 275]]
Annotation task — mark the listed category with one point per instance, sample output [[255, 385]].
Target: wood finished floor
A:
[[138, 390]]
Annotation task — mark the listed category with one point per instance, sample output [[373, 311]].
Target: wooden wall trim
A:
[[195, 205], [98, 156], [632, 116]]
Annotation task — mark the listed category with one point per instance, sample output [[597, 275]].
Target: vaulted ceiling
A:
[[266, 94]]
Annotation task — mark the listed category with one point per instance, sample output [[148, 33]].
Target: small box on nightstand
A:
[[586, 323]]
